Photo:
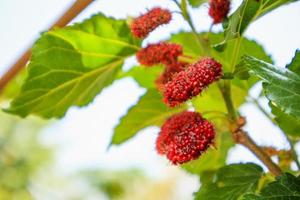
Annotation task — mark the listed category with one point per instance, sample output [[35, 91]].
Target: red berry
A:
[[184, 137], [169, 72], [190, 82], [218, 10], [143, 25], [162, 52]]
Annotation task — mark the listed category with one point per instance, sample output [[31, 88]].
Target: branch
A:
[[291, 143], [71, 13], [241, 137]]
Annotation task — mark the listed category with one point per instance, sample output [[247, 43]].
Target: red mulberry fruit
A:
[[169, 72], [184, 137], [162, 52], [190, 82], [218, 10], [143, 25]]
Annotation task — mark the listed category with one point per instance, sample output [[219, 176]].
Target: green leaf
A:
[[237, 23], [207, 176], [197, 3], [144, 76], [70, 66], [149, 111], [295, 63], [14, 86], [189, 43], [231, 182], [286, 186], [281, 85], [214, 158], [247, 12], [288, 124]]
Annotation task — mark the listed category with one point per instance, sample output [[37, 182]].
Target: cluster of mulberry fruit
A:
[[184, 137], [169, 72], [163, 52], [143, 25], [218, 10], [191, 82], [187, 135]]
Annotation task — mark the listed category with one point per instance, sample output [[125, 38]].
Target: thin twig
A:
[[77, 7]]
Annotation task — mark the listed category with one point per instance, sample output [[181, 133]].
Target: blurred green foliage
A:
[[27, 171], [21, 155]]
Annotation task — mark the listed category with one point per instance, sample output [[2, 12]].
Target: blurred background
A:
[[68, 158]]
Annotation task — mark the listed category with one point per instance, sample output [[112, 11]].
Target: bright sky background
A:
[[83, 135]]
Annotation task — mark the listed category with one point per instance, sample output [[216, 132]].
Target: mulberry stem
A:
[[226, 93], [187, 59]]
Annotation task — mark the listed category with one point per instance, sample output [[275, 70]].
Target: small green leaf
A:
[[214, 158], [247, 12], [231, 182], [286, 187], [238, 21], [295, 63], [144, 76], [149, 111], [197, 3], [70, 66], [281, 86]]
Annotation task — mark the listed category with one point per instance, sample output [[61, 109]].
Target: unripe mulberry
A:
[[218, 10], [143, 25], [184, 137], [169, 72], [163, 52], [190, 82]]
